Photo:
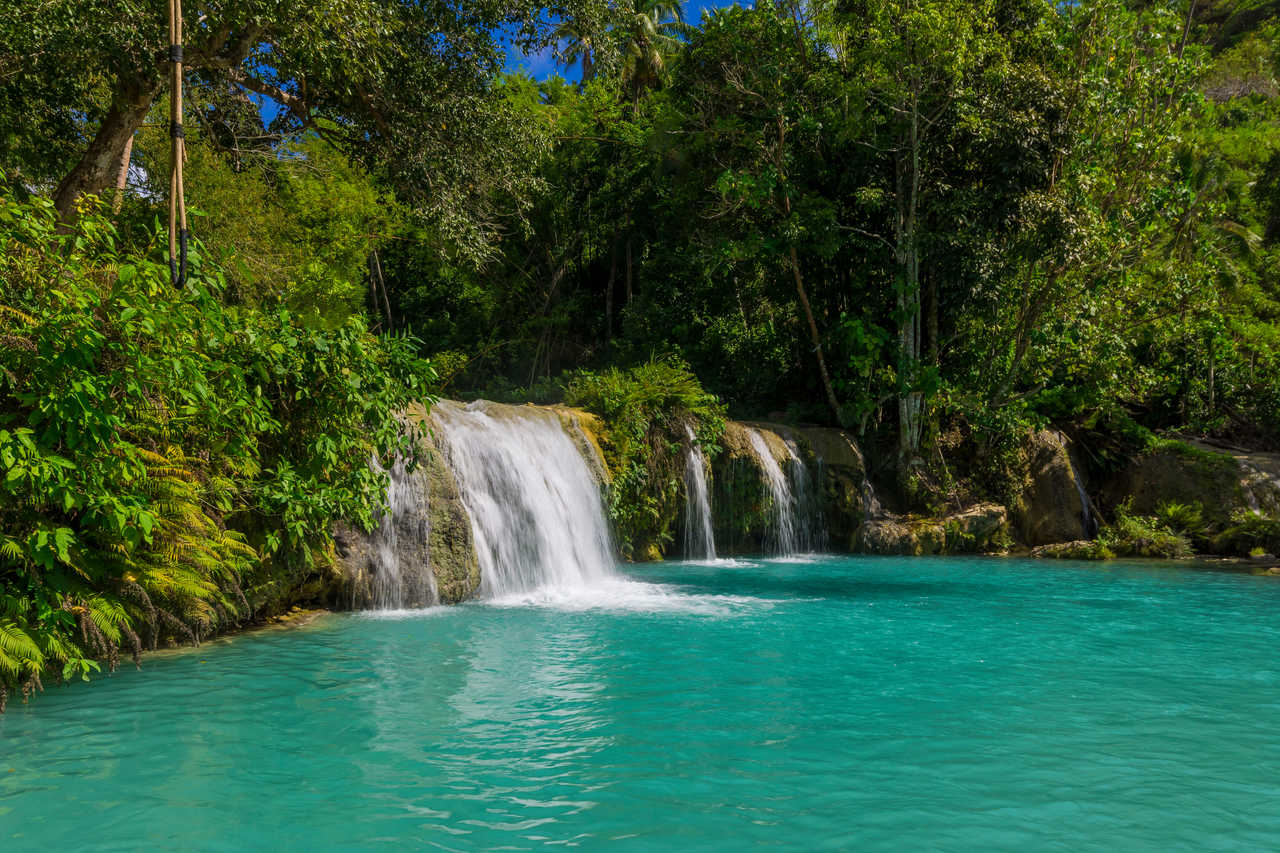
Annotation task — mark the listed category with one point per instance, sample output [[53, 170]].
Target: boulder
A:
[[1080, 549], [979, 529], [847, 497], [1224, 483], [433, 535], [1053, 507], [740, 500]]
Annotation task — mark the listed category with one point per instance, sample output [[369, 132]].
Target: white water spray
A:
[[535, 507], [699, 541], [401, 573], [782, 538], [810, 525]]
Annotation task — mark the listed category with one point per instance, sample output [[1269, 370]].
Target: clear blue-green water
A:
[[843, 703]]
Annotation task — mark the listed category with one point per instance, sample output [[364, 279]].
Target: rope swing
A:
[[178, 153]]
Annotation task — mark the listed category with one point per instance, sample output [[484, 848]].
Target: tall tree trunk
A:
[[122, 176], [816, 338], [910, 401], [99, 166]]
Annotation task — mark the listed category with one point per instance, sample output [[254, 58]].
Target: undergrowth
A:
[[645, 410], [160, 449]]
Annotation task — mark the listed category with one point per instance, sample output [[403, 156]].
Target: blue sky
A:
[[541, 66]]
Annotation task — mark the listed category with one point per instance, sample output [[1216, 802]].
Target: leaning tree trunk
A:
[[100, 165]]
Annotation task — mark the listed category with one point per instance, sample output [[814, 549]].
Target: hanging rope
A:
[[178, 153]]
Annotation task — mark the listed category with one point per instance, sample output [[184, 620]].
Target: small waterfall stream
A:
[[535, 507], [699, 541], [810, 526], [783, 538], [1088, 523], [401, 572]]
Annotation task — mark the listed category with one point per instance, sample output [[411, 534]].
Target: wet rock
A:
[[1080, 549], [740, 500], [842, 481], [434, 537]]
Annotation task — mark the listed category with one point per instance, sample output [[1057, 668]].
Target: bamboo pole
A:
[[178, 153]]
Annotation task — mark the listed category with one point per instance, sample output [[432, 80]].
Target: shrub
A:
[[1250, 535], [645, 410], [156, 445], [1142, 536]]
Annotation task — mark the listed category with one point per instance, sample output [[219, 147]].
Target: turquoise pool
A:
[[827, 704]]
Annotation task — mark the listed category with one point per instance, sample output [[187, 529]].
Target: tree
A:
[[650, 30], [577, 43], [914, 63], [403, 86]]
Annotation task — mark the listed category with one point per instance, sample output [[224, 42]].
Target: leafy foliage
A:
[[156, 447], [1144, 536], [646, 410]]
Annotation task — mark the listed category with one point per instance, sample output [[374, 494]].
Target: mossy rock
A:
[[841, 476], [980, 529], [1180, 473], [448, 551], [1050, 508], [740, 500], [1080, 549]]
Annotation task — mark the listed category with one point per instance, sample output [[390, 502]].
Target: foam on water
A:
[[620, 595]]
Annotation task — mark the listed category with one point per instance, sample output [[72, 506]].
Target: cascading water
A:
[[400, 570], [783, 538], [699, 541], [810, 526], [1087, 522], [535, 507]]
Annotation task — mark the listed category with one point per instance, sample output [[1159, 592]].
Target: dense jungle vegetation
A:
[[936, 223]]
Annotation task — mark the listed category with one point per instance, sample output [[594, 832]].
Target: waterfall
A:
[[1087, 521], [810, 525], [535, 507], [699, 542], [782, 533], [400, 572]]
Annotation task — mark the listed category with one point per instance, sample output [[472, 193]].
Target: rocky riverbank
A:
[[776, 487]]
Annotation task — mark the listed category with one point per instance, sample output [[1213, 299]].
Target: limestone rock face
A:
[[1259, 479], [739, 497], [450, 544], [979, 529], [1222, 482], [828, 486], [1052, 508], [434, 541], [847, 499]]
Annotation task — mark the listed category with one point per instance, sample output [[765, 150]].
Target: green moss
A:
[[1210, 460]]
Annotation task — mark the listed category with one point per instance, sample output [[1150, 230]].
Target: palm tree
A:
[[651, 29], [577, 43]]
